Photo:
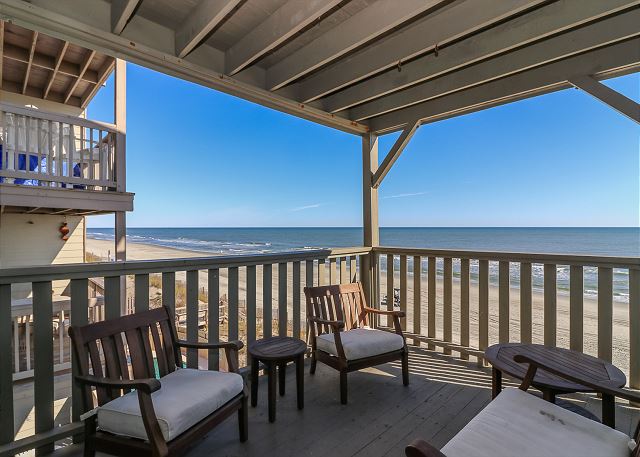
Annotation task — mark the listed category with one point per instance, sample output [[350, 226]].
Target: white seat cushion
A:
[[185, 397], [361, 342], [518, 423]]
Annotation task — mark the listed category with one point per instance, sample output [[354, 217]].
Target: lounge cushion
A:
[[361, 342], [185, 397], [518, 423]]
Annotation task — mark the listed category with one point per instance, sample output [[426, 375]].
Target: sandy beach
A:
[[138, 251]]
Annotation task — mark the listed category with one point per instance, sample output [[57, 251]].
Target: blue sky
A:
[[197, 157]]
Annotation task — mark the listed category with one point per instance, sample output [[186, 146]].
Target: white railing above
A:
[[39, 148]]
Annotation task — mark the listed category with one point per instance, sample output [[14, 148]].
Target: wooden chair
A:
[[341, 336], [162, 416], [517, 423]]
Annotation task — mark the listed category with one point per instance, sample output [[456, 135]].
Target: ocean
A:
[[591, 241]]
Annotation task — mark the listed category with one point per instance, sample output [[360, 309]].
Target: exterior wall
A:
[[34, 239]]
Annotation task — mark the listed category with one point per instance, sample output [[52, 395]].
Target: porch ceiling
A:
[[41, 66], [357, 65]]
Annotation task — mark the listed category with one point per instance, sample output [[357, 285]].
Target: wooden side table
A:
[[276, 352], [500, 356]]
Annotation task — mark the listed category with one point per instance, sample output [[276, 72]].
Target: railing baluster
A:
[[79, 317], [6, 377], [576, 308], [308, 271], [16, 343], [464, 306], [390, 288], [27, 337], [483, 305], [169, 291], [525, 302], [233, 303], [296, 298], [550, 304], [605, 313], [141, 288], [266, 301], [251, 304], [213, 324], [43, 361], [417, 297], [503, 302], [322, 273], [403, 290], [192, 315], [447, 312], [353, 269], [634, 328], [344, 277], [431, 300], [282, 298], [333, 272]]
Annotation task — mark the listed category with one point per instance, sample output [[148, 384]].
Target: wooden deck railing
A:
[[508, 306], [54, 150], [460, 301], [277, 307]]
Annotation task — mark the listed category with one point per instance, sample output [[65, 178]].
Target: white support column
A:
[[120, 115], [608, 96], [370, 216]]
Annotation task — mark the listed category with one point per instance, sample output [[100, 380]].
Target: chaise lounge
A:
[[518, 423]]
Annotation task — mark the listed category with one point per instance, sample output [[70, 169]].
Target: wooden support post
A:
[[120, 120], [369, 216]]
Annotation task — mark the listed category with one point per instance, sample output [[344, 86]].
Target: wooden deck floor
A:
[[382, 416]]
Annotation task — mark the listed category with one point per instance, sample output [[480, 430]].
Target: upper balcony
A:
[[51, 163], [53, 159]]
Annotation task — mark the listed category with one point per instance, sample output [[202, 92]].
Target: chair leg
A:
[[343, 387], [312, 370], [243, 420], [89, 432], [405, 368]]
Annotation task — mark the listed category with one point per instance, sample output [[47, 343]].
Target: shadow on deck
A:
[[382, 416]]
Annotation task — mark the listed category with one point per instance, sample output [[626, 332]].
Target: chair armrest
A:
[[535, 363], [385, 312], [336, 325], [231, 349], [235, 344], [147, 385], [420, 448]]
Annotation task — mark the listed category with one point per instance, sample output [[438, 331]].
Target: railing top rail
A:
[[57, 117], [557, 259], [131, 267]]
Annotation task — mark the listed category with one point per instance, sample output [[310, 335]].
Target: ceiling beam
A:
[[394, 153], [608, 96], [121, 13], [291, 18], [47, 62], [443, 26], [610, 61], [376, 19], [32, 50], [61, 26], [544, 22], [54, 71], [90, 53], [594, 35], [202, 20], [105, 71]]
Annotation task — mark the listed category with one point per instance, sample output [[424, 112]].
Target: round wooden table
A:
[[276, 352], [500, 356]]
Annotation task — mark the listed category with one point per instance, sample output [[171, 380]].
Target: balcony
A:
[[54, 163], [457, 303]]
